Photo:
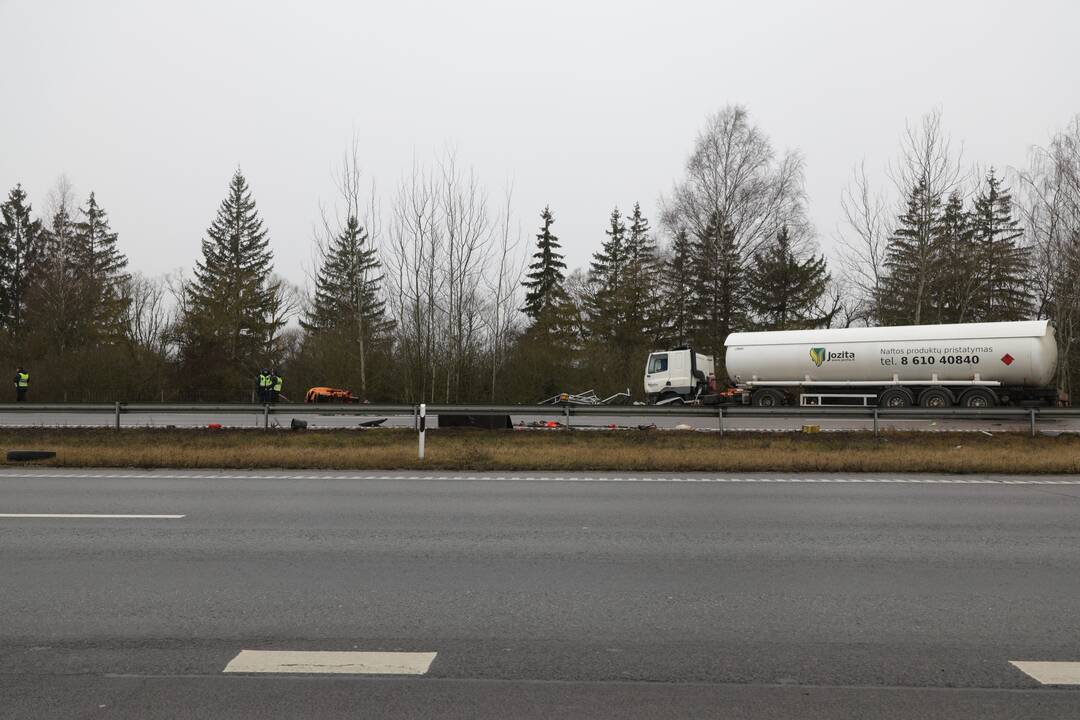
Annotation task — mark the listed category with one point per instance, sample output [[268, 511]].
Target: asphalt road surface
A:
[[255, 419], [203, 594]]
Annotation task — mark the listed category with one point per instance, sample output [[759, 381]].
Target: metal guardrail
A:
[[722, 413]]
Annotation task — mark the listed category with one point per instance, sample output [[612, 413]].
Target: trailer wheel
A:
[[978, 398], [936, 398], [896, 397], [767, 397]]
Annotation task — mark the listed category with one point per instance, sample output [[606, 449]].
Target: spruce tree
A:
[[59, 311], [348, 298], [720, 303], [678, 291], [21, 240], [956, 262], [782, 290], [1004, 266], [228, 321], [101, 267], [544, 281], [607, 276], [912, 261], [640, 286]]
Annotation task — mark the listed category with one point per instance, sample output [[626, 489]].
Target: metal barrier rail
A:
[[545, 410]]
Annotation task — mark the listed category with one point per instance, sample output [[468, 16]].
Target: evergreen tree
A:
[[720, 303], [101, 267], [58, 311], [912, 262], [678, 291], [544, 281], [1004, 289], [607, 273], [956, 262], [348, 298], [782, 290], [640, 287], [21, 240], [229, 316]]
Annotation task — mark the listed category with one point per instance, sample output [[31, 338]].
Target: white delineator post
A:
[[423, 427]]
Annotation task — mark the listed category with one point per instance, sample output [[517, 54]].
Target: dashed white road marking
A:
[[899, 479], [342, 663], [1050, 673], [104, 516]]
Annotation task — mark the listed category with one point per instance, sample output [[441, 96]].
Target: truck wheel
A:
[[767, 397], [896, 397], [978, 398], [936, 398]]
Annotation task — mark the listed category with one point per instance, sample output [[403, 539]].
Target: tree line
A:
[[441, 299]]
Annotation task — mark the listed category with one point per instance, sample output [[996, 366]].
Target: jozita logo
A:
[[819, 355]]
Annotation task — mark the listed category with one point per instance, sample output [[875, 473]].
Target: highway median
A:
[[559, 450]]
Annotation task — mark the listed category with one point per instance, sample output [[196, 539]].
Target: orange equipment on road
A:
[[330, 395]]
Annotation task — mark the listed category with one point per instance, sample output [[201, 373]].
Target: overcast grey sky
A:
[[582, 105]]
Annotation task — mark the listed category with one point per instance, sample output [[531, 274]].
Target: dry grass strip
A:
[[386, 449]]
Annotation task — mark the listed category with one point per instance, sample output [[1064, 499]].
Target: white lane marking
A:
[[1050, 673], [1034, 480], [347, 663], [105, 516]]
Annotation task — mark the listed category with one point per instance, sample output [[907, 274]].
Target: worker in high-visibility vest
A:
[[22, 384], [265, 383], [276, 389]]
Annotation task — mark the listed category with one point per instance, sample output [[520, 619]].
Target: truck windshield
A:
[[658, 363]]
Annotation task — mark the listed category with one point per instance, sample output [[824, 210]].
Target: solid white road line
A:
[[1050, 673], [347, 663], [91, 516], [917, 480]]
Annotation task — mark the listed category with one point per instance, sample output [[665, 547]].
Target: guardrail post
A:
[[266, 416], [566, 414], [875, 423], [1032, 422], [720, 418], [423, 428], [117, 414]]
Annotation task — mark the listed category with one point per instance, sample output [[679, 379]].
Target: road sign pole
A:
[[423, 427]]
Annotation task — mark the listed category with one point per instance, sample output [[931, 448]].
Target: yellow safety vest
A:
[[278, 380], [23, 380], [265, 381]]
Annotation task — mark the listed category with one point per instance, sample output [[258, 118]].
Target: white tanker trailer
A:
[[971, 365]]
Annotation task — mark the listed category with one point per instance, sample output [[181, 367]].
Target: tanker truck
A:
[[972, 365]]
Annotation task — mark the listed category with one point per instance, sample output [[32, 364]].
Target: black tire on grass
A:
[[23, 455]]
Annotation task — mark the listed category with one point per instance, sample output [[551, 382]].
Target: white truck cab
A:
[[679, 374]]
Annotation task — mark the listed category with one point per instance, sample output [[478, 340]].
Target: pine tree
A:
[[678, 291], [912, 262], [1004, 266], [956, 262], [720, 306], [348, 296], [101, 267], [544, 281], [21, 240], [228, 321], [607, 273], [783, 291]]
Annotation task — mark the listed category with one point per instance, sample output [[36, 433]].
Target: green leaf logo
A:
[[817, 355]]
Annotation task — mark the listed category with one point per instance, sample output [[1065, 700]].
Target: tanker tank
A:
[[1009, 361]]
